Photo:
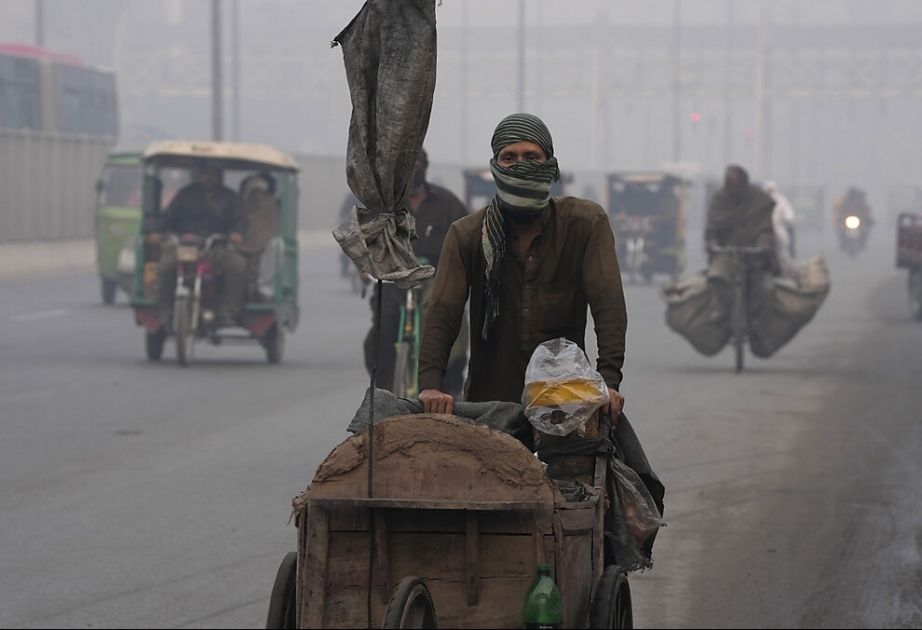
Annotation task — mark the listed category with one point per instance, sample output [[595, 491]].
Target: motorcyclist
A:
[[853, 203], [202, 208]]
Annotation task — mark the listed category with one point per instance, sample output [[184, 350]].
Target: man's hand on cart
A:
[[435, 401], [615, 404]]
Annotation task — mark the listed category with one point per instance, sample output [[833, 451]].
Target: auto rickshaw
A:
[[270, 247], [118, 215], [479, 187], [909, 257], [647, 212]]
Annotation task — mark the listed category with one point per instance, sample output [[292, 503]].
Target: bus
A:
[[46, 91]]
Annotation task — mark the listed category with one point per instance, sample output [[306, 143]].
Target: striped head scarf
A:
[[524, 187]]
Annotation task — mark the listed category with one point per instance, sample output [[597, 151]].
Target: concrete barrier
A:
[[47, 184]]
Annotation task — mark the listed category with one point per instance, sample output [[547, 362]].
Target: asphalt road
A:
[[146, 495]]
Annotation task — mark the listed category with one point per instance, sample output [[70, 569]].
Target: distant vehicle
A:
[[45, 91], [909, 257], [808, 201], [853, 235], [647, 212], [479, 187], [853, 220], [901, 199], [118, 215], [271, 304]]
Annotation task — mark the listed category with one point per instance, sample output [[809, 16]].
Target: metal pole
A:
[[40, 23], [371, 444], [728, 88], [759, 95], [235, 70], [463, 125], [520, 96], [217, 89], [676, 81]]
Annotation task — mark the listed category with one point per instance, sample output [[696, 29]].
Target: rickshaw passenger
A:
[[261, 212], [531, 266], [204, 207]]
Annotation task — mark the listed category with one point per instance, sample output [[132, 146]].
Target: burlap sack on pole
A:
[[389, 50]]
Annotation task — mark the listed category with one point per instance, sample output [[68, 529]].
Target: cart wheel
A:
[[611, 601], [410, 606], [108, 288], [153, 344], [282, 611]]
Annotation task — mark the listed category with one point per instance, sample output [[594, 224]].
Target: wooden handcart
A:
[[457, 520]]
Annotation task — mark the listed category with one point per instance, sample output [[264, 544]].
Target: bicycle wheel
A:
[[403, 370], [739, 313]]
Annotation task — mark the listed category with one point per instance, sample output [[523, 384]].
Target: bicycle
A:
[[406, 361], [740, 269]]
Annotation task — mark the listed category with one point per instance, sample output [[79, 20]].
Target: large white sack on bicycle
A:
[[562, 391]]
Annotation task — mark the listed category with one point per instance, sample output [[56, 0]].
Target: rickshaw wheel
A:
[[183, 333], [282, 613], [108, 289], [274, 343], [611, 601], [410, 606], [153, 344]]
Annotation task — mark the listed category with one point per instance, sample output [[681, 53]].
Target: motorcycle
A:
[[853, 235], [197, 292]]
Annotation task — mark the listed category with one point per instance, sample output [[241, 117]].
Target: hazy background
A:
[[839, 81]]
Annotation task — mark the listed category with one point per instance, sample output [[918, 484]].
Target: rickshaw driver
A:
[[531, 265], [204, 207]]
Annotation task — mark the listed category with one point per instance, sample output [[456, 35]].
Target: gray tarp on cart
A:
[[509, 418], [389, 50]]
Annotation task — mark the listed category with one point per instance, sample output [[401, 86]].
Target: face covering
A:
[[524, 186]]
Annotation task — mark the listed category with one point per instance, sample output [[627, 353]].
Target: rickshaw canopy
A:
[[237, 153]]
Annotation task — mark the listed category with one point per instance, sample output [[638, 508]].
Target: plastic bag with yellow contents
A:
[[562, 391]]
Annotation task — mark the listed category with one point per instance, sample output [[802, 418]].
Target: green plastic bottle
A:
[[543, 604]]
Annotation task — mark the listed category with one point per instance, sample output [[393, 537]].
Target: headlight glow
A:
[[852, 222]]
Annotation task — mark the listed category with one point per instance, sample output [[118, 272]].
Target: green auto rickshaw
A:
[[118, 214], [269, 248]]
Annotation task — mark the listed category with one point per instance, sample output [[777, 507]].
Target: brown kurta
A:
[[572, 264]]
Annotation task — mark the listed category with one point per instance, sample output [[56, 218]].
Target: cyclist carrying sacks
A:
[[741, 246]]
